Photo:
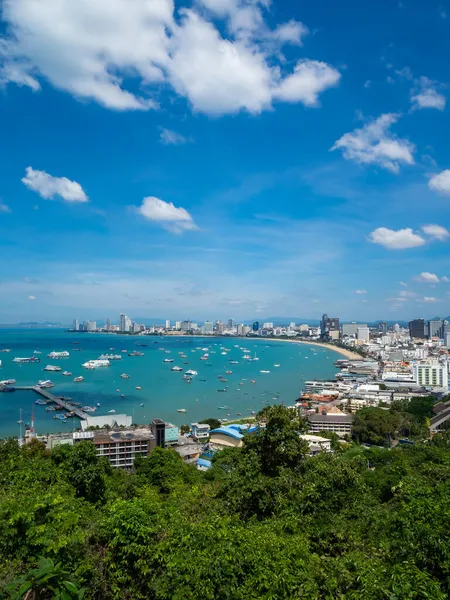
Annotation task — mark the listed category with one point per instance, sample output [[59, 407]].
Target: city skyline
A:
[[304, 168]]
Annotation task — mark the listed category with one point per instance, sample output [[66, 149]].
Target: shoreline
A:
[[342, 351]]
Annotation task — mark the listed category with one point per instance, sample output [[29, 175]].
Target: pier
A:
[[51, 399]]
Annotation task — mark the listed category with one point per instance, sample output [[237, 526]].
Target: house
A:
[[200, 431]]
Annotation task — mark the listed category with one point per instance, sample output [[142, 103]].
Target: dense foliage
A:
[[266, 522]]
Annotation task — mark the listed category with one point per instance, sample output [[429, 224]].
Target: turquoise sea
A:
[[163, 391]]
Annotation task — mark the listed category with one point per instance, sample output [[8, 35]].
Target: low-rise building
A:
[[339, 423], [200, 431], [316, 443]]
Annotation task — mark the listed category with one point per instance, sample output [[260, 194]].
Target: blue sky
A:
[[224, 158]]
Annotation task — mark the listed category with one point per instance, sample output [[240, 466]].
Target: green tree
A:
[[213, 423]]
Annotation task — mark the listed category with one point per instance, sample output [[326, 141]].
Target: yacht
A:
[[45, 383], [77, 379], [63, 354], [176, 368], [125, 376], [67, 373], [31, 359], [52, 368], [94, 364]]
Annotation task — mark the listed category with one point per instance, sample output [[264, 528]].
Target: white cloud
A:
[[360, 292], [90, 48], [48, 186], [309, 79], [445, 279], [440, 182], [4, 208], [436, 231], [169, 137], [167, 214], [425, 95], [375, 144], [403, 284], [396, 240], [428, 299], [426, 277], [31, 297]]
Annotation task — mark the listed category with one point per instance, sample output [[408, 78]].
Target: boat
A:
[[234, 362], [138, 387], [247, 356], [95, 364], [228, 372], [7, 388], [88, 409], [50, 408], [175, 368], [8, 382], [122, 395], [5, 350], [52, 368], [111, 411], [60, 417], [181, 410], [204, 357], [141, 404], [238, 414], [223, 390], [45, 383], [168, 360], [125, 376], [63, 354], [110, 357], [37, 352], [276, 365], [252, 381], [264, 371], [135, 353], [31, 359], [40, 402], [191, 372], [67, 373], [223, 407], [77, 379], [224, 353], [123, 351], [186, 362]]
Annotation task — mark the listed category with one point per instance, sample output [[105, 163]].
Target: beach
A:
[[342, 351]]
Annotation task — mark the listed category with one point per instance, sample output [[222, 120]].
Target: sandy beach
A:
[[342, 351]]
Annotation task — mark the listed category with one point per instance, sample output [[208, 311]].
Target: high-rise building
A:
[[158, 427], [178, 325], [108, 324], [167, 324], [417, 328], [125, 323], [268, 326], [328, 325], [436, 328], [185, 325], [219, 327], [76, 325], [90, 325], [383, 327], [362, 333], [230, 323], [350, 328], [431, 374], [255, 326], [208, 327]]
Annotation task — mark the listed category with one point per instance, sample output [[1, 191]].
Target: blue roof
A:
[[232, 431], [202, 462]]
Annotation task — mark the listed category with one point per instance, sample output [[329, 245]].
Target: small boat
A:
[[111, 411], [142, 404], [239, 414], [277, 365], [252, 381], [78, 379], [37, 352], [228, 372], [168, 360], [41, 402], [223, 390], [125, 376], [223, 407], [122, 395], [181, 410], [186, 362], [234, 362], [50, 408], [264, 371], [176, 368], [117, 390], [138, 387], [67, 373], [98, 404]]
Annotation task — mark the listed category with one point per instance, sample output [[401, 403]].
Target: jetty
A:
[[51, 399]]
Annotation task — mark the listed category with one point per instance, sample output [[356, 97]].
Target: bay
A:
[[163, 391]]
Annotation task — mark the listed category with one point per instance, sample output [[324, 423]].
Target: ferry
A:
[[63, 354], [31, 359], [77, 379], [94, 364], [52, 368]]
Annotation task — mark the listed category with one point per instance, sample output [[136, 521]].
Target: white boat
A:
[[95, 364], [63, 354], [45, 383], [125, 376], [191, 372], [67, 373], [37, 352], [247, 357], [77, 379], [176, 368], [204, 357], [168, 360], [138, 387], [5, 350], [224, 353], [110, 357], [8, 382], [111, 411], [277, 365], [52, 368], [26, 360], [181, 410], [264, 371]]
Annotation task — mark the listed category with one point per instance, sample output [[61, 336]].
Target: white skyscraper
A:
[[76, 325], [125, 323], [167, 324]]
